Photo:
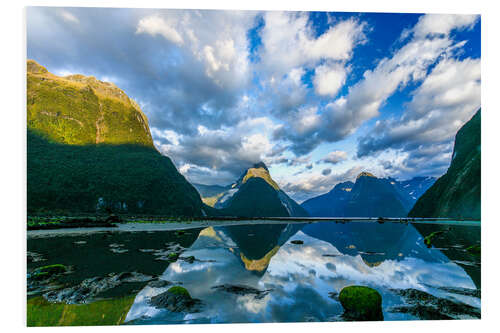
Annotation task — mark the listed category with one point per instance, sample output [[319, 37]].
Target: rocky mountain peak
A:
[[260, 165], [365, 174]]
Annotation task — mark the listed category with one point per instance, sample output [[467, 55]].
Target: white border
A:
[[13, 165]]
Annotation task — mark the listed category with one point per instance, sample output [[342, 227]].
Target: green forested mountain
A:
[[256, 194], [90, 149], [457, 194]]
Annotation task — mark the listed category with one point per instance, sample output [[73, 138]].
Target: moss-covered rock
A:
[[178, 290], [48, 271], [172, 256], [176, 299], [361, 303], [428, 239], [474, 250]]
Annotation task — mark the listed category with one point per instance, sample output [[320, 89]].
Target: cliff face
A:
[[90, 149], [457, 194]]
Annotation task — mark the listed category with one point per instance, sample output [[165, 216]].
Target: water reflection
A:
[[302, 278]]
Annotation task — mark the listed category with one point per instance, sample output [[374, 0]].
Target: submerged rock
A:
[[429, 307], [242, 290], [92, 287], [159, 284], [176, 299], [34, 257], [361, 303], [189, 259], [47, 272]]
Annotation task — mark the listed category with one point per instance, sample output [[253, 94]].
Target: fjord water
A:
[[271, 272]]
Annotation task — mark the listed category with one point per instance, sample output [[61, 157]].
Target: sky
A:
[[317, 96]]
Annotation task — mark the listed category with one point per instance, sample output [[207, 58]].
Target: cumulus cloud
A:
[[223, 153], [314, 184], [225, 89], [335, 157], [155, 25], [328, 79], [409, 64], [448, 97], [289, 41], [433, 24]]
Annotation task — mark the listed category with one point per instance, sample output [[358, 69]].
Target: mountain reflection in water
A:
[[285, 282]]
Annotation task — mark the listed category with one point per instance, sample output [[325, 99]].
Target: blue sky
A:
[[319, 97]]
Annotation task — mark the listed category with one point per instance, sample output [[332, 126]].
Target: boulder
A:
[[361, 303]]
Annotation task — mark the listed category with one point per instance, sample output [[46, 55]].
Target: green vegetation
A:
[[90, 150], [428, 239], [173, 256], [177, 290], [82, 111], [46, 272], [474, 250], [361, 303], [40, 312], [457, 194]]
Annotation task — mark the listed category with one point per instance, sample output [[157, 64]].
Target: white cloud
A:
[[315, 183], [223, 153], [335, 157], [156, 25], [217, 39], [328, 79], [288, 41], [68, 17], [409, 64], [433, 24], [446, 99]]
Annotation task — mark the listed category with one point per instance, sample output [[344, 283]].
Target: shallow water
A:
[[283, 281]]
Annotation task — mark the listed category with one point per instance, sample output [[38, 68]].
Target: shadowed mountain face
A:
[[256, 194], [457, 193], [368, 197], [331, 203], [90, 149], [371, 197]]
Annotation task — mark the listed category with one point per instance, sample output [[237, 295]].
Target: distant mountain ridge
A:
[[90, 150], [210, 193], [457, 194], [256, 194], [369, 196]]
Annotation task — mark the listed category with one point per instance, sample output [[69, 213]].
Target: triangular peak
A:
[[260, 165], [365, 174]]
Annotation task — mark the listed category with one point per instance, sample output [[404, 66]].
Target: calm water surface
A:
[[280, 280]]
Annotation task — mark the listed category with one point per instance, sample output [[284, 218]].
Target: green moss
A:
[[173, 256], [45, 272], [361, 303], [177, 290], [428, 239], [474, 250], [105, 312]]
